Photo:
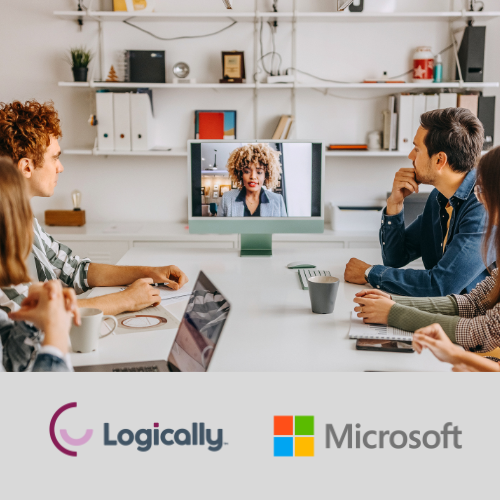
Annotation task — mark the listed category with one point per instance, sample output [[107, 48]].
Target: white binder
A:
[[105, 129], [405, 122], [141, 122], [121, 105], [431, 102], [447, 101], [418, 110]]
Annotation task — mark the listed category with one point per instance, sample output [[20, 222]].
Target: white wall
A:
[[34, 43]]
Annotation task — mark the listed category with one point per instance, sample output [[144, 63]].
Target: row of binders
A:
[[124, 121], [402, 119]]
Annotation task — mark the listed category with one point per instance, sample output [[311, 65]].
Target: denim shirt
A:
[[457, 270]]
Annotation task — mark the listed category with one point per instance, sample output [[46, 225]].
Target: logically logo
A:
[[294, 436], [64, 433]]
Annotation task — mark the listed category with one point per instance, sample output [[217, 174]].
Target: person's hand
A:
[[140, 294], [47, 309], [69, 297], [433, 338], [373, 291], [171, 275], [355, 271], [373, 308], [404, 184]]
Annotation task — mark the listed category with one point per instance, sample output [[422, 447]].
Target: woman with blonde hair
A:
[[41, 344], [256, 170]]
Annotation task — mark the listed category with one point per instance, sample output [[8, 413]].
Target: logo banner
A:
[[242, 435]]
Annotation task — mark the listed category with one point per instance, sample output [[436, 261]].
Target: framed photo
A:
[[203, 191], [233, 67], [225, 189], [216, 191]]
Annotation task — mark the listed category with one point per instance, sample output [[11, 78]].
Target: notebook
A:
[[360, 330]]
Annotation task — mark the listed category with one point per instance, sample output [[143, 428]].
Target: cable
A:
[[180, 37], [328, 94], [314, 76]]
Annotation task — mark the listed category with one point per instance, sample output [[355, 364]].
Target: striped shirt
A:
[[53, 260]]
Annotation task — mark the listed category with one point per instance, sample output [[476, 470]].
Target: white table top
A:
[[271, 326]]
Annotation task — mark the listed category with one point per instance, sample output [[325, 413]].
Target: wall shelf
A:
[[94, 152], [320, 85], [250, 17]]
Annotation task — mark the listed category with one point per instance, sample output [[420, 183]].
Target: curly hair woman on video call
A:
[[256, 170]]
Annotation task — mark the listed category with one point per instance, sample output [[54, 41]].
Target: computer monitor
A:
[[255, 188]]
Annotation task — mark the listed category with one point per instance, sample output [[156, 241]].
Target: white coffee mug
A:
[[85, 338]]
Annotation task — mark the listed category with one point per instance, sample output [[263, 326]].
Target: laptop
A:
[[195, 341]]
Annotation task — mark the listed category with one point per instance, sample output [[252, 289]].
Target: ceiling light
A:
[[228, 5]]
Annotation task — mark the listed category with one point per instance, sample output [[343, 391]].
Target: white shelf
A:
[[313, 85], [95, 152], [367, 154], [282, 16]]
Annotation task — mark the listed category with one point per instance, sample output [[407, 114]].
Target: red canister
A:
[[423, 65]]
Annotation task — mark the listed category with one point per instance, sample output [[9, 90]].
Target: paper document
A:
[[360, 330]]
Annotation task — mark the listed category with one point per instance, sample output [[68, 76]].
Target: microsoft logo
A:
[[294, 436]]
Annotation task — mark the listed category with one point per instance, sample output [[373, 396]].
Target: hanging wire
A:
[[126, 21]]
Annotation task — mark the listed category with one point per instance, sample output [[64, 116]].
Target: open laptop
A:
[[196, 339]]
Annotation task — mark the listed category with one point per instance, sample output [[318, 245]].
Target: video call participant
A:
[[447, 235], [472, 320], [29, 135], [48, 307], [256, 169]]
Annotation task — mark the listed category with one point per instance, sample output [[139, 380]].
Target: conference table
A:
[[271, 327]]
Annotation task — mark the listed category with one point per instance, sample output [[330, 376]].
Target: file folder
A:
[[105, 129], [121, 113], [405, 122], [141, 122]]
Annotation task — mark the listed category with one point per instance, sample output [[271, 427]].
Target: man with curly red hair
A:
[[29, 134]]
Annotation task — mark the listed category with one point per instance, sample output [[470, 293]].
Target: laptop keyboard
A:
[[138, 369], [309, 273]]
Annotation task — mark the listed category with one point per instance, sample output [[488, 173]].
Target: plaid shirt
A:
[[479, 327], [53, 260]]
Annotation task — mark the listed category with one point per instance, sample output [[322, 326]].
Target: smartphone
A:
[[384, 345]]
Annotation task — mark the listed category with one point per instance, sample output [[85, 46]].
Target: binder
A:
[[418, 111], [121, 113], [431, 102], [405, 122], [390, 126], [141, 122], [469, 102], [447, 101], [105, 129]]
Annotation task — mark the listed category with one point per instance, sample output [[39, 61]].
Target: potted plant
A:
[[80, 59]]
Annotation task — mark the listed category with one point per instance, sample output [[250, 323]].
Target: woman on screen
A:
[[256, 170]]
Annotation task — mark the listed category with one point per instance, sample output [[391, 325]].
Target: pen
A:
[[160, 284]]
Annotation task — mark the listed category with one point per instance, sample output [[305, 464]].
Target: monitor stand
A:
[[256, 244]]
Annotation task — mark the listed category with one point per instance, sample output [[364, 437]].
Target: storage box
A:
[[64, 217], [356, 218]]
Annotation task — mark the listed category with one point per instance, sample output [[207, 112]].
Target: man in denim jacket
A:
[[448, 234]]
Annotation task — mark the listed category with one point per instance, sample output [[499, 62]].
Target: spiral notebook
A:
[[360, 330]]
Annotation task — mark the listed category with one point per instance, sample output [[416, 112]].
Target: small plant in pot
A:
[[80, 59]]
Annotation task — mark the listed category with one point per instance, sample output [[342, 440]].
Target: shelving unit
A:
[[256, 17]]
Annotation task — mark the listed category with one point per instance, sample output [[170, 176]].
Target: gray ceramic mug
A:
[[323, 292], [85, 338]]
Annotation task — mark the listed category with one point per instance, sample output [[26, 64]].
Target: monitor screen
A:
[[256, 179], [200, 328]]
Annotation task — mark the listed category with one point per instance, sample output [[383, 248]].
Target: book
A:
[[284, 126], [214, 124], [390, 126], [346, 147], [360, 330]]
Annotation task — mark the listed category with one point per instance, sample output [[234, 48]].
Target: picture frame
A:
[[225, 188], [233, 67], [203, 191]]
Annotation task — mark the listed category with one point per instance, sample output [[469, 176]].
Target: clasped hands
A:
[[373, 306]]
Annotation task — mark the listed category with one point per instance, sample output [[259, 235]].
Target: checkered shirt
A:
[[53, 260], [479, 327]]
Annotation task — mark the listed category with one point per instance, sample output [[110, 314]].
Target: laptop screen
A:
[[200, 328]]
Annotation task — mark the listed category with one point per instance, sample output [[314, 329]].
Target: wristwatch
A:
[[367, 273]]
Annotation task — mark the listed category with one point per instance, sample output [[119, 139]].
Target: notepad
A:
[[360, 330]]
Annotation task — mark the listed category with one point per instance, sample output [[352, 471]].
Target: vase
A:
[[80, 74]]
